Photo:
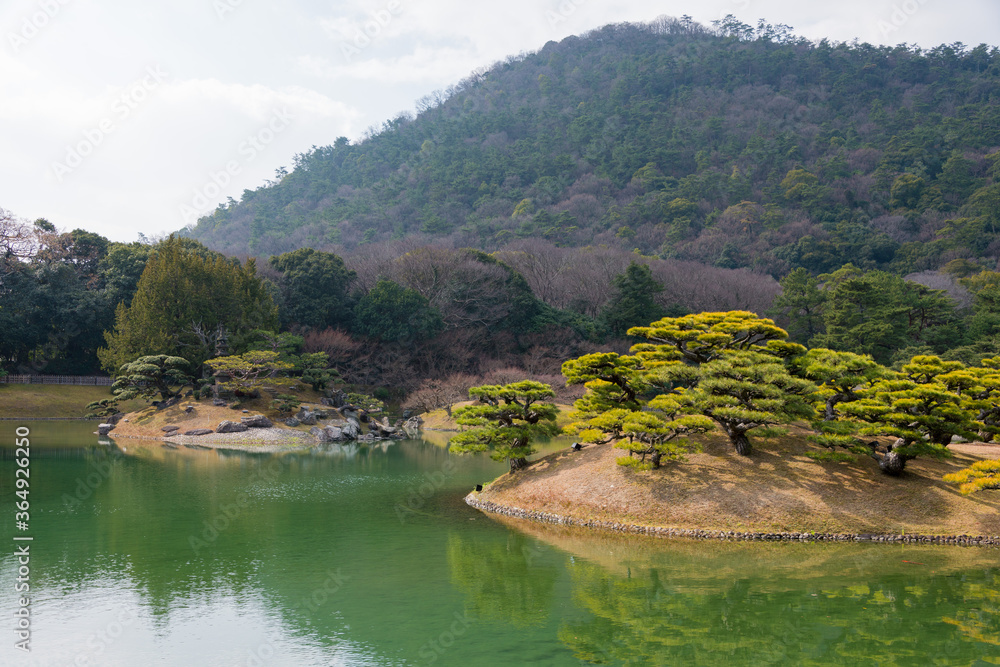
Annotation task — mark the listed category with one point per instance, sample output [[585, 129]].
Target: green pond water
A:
[[366, 555]]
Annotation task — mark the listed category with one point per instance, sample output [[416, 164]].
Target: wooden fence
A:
[[88, 380]]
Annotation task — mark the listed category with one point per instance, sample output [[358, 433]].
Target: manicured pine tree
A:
[[980, 476], [743, 390], [615, 409], [839, 375], [922, 417], [703, 337], [660, 431], [151, 375], [506, 421]]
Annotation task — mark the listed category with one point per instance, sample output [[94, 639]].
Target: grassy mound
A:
[[777, 489], [148, 422]]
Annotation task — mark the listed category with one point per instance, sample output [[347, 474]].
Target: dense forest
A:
[[732, 146], [542, 207]]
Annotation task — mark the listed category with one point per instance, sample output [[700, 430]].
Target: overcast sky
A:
[[123, 117]]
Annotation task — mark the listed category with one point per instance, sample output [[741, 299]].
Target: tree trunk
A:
[[741, 442], [518, 464], [657, 454], [892, 464]]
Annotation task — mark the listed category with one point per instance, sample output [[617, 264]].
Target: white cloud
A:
[[424, 64], [227, 77], [255, 100]]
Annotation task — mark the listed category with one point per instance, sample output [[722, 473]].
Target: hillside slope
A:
[[734, 146]]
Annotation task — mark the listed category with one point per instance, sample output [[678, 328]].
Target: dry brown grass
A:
[[148, 422], [51, 401], [776, 489]]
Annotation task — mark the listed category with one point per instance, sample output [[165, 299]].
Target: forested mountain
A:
[[542, 207], [731, 146]]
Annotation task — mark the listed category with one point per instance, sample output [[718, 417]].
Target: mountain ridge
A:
[[735, 146]]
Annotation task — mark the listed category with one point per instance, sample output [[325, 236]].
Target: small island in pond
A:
[[847, 448]]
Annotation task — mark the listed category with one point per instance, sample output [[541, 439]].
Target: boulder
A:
[[342, 429], [382, 428], [292, 421], [199, 431], [189, 409], [307, 417], [104, 429], [257, 421], [169, 428], [412, 426], [231, 427], [218, 402], [318, 433], [115, 418], [337, 399]]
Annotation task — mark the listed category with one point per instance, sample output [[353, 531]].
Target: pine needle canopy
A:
[[703, 337]]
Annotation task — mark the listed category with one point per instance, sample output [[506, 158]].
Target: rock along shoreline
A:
[[728, 535]]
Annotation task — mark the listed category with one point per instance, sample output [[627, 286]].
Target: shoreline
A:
[[491, 507], [261, 440], [776, 494]]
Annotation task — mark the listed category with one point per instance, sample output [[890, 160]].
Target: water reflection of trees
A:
[[659, 616], [507, 578]]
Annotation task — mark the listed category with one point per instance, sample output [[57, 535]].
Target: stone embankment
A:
[[662, 531]]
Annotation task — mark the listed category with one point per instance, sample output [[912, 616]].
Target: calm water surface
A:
[[366, 555]]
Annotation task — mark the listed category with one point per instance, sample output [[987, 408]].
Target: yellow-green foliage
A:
[[703, 337], [979, 476], [505, 420], [246, 373]]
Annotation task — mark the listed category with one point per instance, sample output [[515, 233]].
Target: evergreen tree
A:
[[633, 303], [391, 312], [148, 376], [616, 409], [840, 375], [922, 416], [706, 336], [878, 314], [801, 304], [189, 304], [742, 390], [980, 476], [506, 420], [314, 288], [246, 374]]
